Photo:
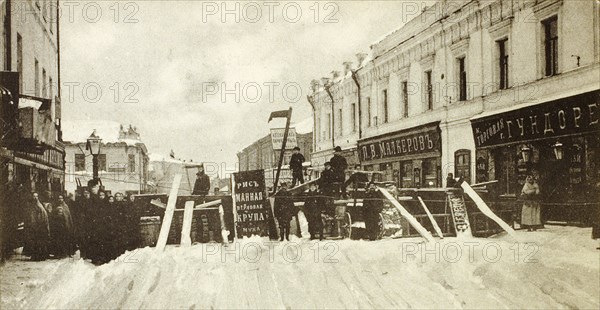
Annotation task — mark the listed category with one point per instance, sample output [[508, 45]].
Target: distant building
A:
[[264, 153], [123, 159], [162, 171]]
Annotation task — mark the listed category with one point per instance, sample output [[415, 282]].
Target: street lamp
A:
[[526, 153], [93, 145], [558, 150]]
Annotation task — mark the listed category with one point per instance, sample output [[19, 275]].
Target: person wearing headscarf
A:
[[531, 212], [61, 227], [37, 230]]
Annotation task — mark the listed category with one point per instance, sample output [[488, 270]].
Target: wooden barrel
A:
[[149, 230]]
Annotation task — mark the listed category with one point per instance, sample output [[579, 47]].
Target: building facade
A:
[[122, 162], [486, 90], [31, 150]]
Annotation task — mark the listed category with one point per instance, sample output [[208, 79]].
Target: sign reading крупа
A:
[[251, 203]]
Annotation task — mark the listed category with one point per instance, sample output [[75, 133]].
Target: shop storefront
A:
[[411, 158], [557, 141]]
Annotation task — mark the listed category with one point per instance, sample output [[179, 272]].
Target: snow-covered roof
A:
[[304, 126], [29, 103], [77, 131], [155, 157]]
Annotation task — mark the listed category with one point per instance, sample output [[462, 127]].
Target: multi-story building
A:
[[31, 152], [265, 152], [486, 90], [122, 162]]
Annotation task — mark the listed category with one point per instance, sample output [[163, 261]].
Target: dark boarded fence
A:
[[206, 225]]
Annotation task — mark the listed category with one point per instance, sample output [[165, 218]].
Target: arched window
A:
[[462, 164]]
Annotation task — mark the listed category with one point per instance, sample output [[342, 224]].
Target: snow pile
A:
[[554, 268]]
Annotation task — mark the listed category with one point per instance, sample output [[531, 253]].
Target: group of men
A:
[[331, 185], [106, 225]]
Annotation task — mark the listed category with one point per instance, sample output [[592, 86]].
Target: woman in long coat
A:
[[531, 212], [37, 230], [62, 229]]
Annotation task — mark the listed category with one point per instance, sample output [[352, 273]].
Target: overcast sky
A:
[[170, 55]]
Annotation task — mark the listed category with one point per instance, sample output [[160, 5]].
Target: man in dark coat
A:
[[339, 166], [284, 211], [296, 165], [202, 185], [327, 181], [372, 206], [82, 220], [358, 179], [313, 205], [38, 230]]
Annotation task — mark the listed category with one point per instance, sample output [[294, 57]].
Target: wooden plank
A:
[[168, 218], [435, 224], [409, 217], [186, 239], [224, 231], [208, 204], [235, 214], [486, 210]]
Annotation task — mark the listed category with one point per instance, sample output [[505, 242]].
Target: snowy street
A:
[[557, 267]]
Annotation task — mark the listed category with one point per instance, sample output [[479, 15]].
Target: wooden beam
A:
[[433, 222], [409, 217], [186, 239], [168, 217]]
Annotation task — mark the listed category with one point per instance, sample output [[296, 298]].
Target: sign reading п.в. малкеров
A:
[[251, 203]]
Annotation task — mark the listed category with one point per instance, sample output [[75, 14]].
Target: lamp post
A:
[[93, 145], [526, 153], [558, 150]]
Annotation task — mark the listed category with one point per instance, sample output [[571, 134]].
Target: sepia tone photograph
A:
[[310, 154]]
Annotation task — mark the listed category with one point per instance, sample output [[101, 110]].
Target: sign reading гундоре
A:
[[573, 115]]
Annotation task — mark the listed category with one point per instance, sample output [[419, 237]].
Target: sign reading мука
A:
[[251, 203], [567, 116]]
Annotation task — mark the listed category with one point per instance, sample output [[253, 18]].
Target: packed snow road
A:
[[557, 267]]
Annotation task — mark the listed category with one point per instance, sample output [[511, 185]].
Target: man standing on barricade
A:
[[339, 166], [202, 185], [296, 162]]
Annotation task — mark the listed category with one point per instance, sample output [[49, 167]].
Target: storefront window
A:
[[505, 159], [430, 174], [406, 172], [462, 164]]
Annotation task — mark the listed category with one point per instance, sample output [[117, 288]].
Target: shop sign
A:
[[251, 203], [277, 138], [567, 116], [409, 142]]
